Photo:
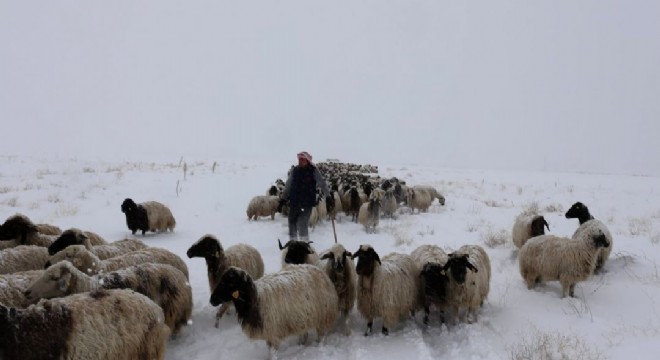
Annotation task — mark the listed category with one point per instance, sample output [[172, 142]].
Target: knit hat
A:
[[305, 155]]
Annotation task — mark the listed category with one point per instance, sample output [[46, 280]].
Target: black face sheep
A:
[[218, 260], [148, 216], [589, 225], [103, 325], [527, 226], [23, 258], [468, 270], [75, 236], [369, 215], [291, 302], [18, 229], [338, 264], [387, 289], [90, 264], [430, 260], [164, 284], [547, 258], [298, 252]]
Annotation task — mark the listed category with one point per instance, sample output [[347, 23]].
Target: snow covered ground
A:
[[614, 316]]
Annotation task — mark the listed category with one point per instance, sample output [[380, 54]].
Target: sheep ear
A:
[[546, 224], [280, 244], [472, 267], [326, 256], [64, 280], [348, 254], [377, 258]]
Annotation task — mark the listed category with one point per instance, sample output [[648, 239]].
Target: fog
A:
[[543, 85]]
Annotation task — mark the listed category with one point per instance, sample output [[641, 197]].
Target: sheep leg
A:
[[571, 290], [427, 310], [385, 331], [369, 328], [221, 311]]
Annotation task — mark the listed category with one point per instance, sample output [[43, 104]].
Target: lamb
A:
[[548, 257], [218, 260], [387, 289], [18, 230], [589, 225], [75, 236], [430, 260], [526, 226], [338, 265], [291, 302], [467, 290], [147, 216], [262, 205], [369, 215], [13, 286], [90, 264], [104, 325], [298, 252], [23, 258], [164, 284]]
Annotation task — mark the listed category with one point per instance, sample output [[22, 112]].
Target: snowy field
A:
[[614, 315]]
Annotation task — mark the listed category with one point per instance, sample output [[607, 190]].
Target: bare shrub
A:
[[66, 210], [54, 199], [6, 189], [655, 239], [639, 226], [88, 170], [553, 346], [11, 202], [531, 208], [493, 238], [556, 207]]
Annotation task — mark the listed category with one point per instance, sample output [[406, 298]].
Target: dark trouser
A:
[[298, 222]]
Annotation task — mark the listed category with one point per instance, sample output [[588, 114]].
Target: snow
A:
[[614, 316]]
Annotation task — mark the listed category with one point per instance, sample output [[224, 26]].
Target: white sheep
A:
[[298, 252], [468, 270], [369, 215], [430, 260], [13, 286], [48, 229], [419, 198], [90, 264], [18, 230], [147, 216], [589, 225], [526, 226], [389, 203], [262, 205], [293, 301], [75, 236], [23, 258], [242, 256], [103, 325], [548, 258], [387, 289], [433, 192], [164, 284], [337, 263]]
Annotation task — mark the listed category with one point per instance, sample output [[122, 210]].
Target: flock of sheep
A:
[[72, 295]]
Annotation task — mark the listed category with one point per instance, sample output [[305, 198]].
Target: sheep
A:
[[13, 286], [218, 260], [298, 252], [430, 259], [548, 257], [467, 290], [369, 215], [433, 192], [389, 203], [164, 284], [526, 226], [589, 225], [293, 301], [147, 216], [419, 199], [338, 265], [333, 208], [104, 325], [48, 229], [75, 236], [85, 261], [23, 258], [18, 230], [387, 288], [262, 205]]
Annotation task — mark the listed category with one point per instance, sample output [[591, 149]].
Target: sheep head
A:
[[55, 282], [367, 258], [579, 211], [537, 226], [207, 246], [67, 238], [297, 251], [600, 240], [337, 258], [128, 205], [435, 280], [234, 285], [458, 264]]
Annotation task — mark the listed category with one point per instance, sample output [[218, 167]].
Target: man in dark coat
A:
[[300, 191]]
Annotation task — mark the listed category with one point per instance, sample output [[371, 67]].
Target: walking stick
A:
[[333, 229]]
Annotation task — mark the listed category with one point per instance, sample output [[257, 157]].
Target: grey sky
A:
[[560, 85]]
